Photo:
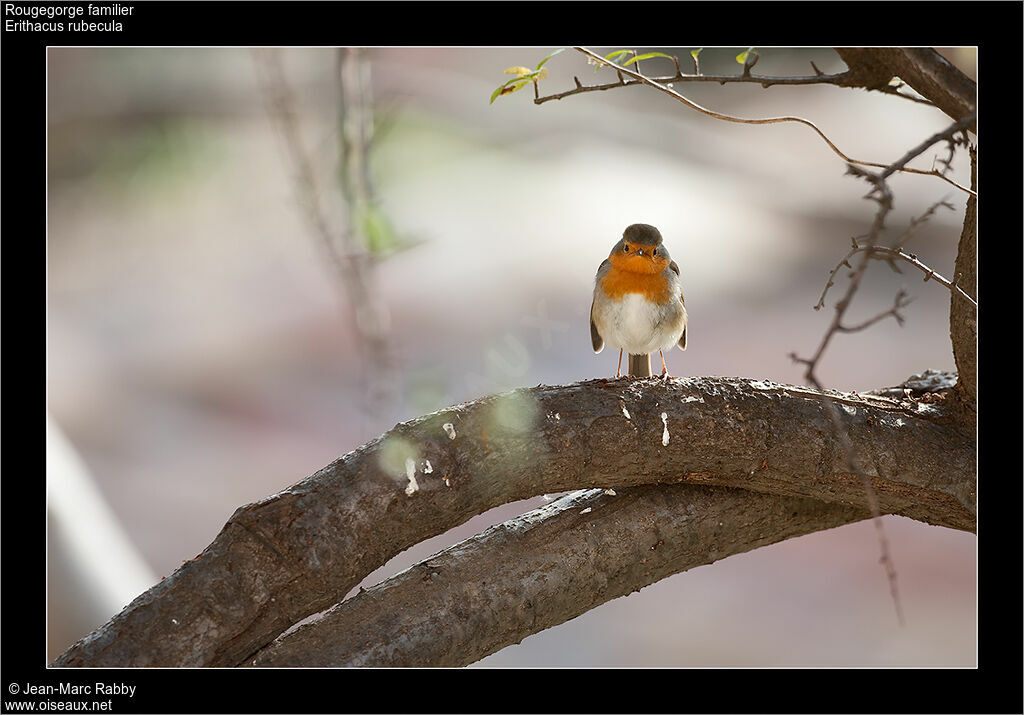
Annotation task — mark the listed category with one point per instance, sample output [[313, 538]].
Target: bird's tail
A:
[[640, 365]]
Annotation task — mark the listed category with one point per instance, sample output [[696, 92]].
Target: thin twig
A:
[[896, 166], [901, 301], [895, 253], [892, 253]]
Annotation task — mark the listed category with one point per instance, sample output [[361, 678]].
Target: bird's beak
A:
[[639, 251]]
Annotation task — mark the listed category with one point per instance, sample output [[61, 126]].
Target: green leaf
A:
[[549, 57], [619, 52], [742, 57], [648, 55], [694, 53], [514, 85], [497, 93]]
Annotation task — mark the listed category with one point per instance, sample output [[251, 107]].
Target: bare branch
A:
[[892, 254], [840, 79], [895, 253], [901, 301], [881, 194]]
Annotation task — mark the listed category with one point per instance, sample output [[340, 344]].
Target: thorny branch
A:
[[891, 254], [661, 86], [880, 193]]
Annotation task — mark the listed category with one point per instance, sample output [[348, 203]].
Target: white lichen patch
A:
[[625, 411], [587, 510], [427, 468], [848, 409], [449, 429], [692, 398], [664, 433], [410, 473], [610, 492], [398, 457]]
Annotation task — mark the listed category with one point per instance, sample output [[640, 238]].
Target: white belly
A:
[[639, 326]]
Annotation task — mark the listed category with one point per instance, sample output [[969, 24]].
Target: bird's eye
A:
[[625, 248], [654, 252]]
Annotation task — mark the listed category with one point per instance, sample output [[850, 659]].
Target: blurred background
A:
[[254, 267]]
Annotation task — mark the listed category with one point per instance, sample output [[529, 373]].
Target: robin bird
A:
[[638, 300]]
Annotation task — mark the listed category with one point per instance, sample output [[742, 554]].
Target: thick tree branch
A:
[[300, 551], [542, 569]]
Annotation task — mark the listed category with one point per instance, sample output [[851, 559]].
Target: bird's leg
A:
[[664, 367], [618, 370]]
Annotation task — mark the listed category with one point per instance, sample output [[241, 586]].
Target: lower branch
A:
[[300, 551], [542, 569]]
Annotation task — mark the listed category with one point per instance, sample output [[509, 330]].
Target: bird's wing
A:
[[595, 337], [682, 338]]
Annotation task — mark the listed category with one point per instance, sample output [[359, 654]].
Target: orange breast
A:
[[620, 280]]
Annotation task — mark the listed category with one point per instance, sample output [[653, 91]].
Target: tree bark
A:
[[924, 69], [963, 317], [299, 552]]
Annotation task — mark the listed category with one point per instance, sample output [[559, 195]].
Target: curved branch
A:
[[300, 551], [542, 569]]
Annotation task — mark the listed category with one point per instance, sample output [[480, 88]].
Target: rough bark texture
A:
[[299, 552], [542, 569], [924, 69]]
